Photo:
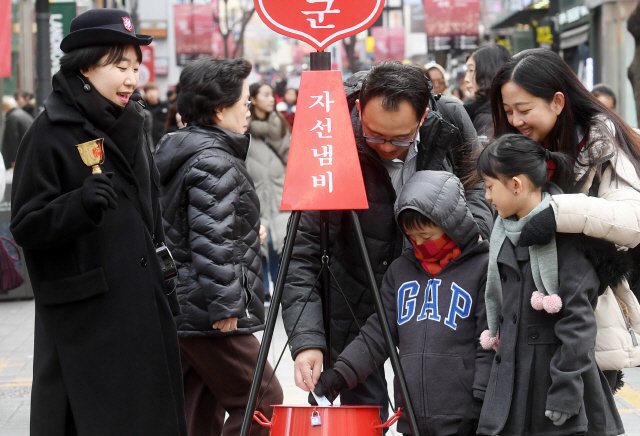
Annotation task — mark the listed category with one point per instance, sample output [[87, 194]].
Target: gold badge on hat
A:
[[92, 154]]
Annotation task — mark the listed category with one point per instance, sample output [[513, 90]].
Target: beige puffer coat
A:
[[614, 215], [266, 163]]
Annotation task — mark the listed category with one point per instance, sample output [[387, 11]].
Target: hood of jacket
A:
[[191, 140], [439, 196]]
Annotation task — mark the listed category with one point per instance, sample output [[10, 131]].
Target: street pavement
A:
[[16, 371]]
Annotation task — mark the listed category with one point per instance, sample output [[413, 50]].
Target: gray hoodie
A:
[[437, 334]]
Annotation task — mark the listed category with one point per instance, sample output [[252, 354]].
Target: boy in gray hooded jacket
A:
[[434, 301]]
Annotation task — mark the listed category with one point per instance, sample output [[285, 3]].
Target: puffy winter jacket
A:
[[211, 217]]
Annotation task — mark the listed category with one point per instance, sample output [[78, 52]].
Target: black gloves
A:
[[329, 385], [98, 193], [540, 229]]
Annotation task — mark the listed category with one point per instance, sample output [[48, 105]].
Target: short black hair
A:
[[411, 219], [22, 93], [82, 59], [396, 82], [208, 85], [602, 89]]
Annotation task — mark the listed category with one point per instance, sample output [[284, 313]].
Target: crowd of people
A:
[[501, 232]]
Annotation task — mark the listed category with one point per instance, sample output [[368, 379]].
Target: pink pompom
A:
[[537, 300], [552, 303], [486, 341]]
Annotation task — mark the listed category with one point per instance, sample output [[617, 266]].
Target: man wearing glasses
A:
[[399, 130]]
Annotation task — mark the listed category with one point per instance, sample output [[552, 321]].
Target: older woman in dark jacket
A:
[[106, 359], [212, 219]]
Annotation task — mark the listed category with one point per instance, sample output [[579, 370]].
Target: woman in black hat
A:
[[106, 358]]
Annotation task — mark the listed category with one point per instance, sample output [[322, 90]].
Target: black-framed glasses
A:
[[396, 142]]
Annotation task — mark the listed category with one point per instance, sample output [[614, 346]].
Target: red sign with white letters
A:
[[319, 22], [323, 171]]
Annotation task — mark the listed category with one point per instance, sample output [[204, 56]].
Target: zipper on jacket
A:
[[245, 288], [634, 340]]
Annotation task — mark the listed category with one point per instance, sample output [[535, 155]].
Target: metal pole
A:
[[321, 61], [270, 323], [43, 50], [384, 324]]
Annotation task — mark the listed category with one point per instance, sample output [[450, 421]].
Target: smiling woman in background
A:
[[106, 358]]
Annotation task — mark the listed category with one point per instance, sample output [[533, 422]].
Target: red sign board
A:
[[319, 22], [5, 38], [147, 70], [389, 43], [323, 171], [193, 29], [451, 17]]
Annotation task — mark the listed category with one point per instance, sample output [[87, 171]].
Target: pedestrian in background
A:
[[212, 220], [539, 302], [17, 121], [605, 95], [158, 109], [536, 94], [267, 165], [439, 79], [24, 100], [482, 67], [287, 107], [106, 358]]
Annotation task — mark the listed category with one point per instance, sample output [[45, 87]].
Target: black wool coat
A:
[[106, 349], [211, 214], [547, 361]]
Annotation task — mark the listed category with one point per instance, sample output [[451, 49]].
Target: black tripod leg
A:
[[270, 323], [326, 286], [391, 349]]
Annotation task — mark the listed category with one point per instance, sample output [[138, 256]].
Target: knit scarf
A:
[[435, 255], [543, 258]]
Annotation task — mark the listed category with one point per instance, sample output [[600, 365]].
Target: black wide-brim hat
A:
[[102, 27]]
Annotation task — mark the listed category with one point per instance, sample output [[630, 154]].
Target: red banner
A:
[[451, 17], [5, 38], [389, 43], [323, 171], [193, 27], [147, 68]]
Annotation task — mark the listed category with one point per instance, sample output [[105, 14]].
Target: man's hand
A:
[[263, 234], [307, 368], [225, 325]]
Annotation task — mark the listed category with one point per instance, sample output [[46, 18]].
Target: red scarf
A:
[[435, 255]]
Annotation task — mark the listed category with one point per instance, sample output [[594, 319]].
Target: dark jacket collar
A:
[[177, 148]]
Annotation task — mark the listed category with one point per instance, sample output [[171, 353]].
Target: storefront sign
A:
[[389, 43], [447, 20], [146, 70], [319, 22], [59, 26]]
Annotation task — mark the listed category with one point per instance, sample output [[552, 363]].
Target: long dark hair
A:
[[488, 60], [254, 90], [513, 154], [542, 73]]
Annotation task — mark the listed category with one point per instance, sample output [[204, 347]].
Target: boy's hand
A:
[[329, 385], [540, 230], [558, 418]]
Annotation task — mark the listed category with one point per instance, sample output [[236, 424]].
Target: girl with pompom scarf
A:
[[539, 299]]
